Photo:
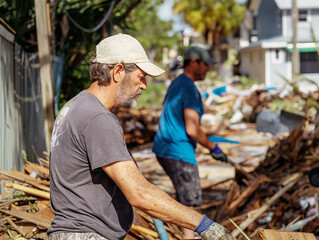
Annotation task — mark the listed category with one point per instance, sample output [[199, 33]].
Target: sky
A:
[[165, 13]]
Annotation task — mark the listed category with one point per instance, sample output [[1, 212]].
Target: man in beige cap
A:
[[94, 181]]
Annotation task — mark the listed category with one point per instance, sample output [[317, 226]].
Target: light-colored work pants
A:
[[76, 236]]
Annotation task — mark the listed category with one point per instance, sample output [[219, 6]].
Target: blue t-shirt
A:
[[171, 140]]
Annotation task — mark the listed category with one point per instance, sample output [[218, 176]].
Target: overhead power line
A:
[[97, 27]]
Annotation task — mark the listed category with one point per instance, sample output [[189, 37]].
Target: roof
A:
[[301, 4], [281, 42], [276, 42]]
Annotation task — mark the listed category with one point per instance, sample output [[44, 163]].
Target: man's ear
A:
[[193, 63], [118, 72]]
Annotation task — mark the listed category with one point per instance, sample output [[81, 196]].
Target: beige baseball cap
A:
[[124, 48]]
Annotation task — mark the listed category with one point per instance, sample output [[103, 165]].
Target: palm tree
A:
[[215, 19]]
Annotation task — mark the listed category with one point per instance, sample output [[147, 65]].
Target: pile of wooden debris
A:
[[265, 184], [25, 206]]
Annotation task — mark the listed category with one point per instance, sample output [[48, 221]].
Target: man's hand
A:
[[209, 230], [218, 154], [216, 232]]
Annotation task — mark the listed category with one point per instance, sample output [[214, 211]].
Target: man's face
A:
[[130, 88], [201, 70]]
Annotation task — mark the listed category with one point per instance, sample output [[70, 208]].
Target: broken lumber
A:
[[18, 229], [265, 206], [28, 190], [238, 202], [22, 179], [269, 234], [31, 217]]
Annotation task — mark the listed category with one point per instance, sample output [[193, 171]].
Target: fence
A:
[[21, 112], [10, 116]]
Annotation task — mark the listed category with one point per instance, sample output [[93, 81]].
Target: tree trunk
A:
[[210, 38], [295, 53]]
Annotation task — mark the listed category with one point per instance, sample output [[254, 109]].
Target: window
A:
[[278, 56], [309, 62], [303, 14]]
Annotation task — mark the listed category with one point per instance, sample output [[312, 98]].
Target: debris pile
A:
[[277, 194], [139, 125], [264, 185], [25, 204]]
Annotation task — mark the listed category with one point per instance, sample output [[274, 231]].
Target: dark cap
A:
[[198, 53]]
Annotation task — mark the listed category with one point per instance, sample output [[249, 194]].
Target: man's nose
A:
[[143, 85]]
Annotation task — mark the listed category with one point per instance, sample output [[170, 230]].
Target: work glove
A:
[[216, 232], [209, 230], [218, 154]]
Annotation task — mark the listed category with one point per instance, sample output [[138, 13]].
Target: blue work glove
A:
[[209, 230], [218, 154]]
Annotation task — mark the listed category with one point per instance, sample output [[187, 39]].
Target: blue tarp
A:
[[218, 139]]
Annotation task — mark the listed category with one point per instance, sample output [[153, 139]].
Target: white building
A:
[[266, 36]]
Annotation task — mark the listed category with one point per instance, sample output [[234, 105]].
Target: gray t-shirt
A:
[[87, 136]]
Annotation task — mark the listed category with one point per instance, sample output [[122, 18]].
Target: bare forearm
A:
[[160, 205], [150, 199], [193, 129], [200, 137]]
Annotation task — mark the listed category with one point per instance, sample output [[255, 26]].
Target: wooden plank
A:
[[21, 174], [265, 206], [31, 217], [28, 190], [18, 229], [21, 179], [30, 167], [144, 230], [239, 201], [46, 78], [269, 234], [26, 176]]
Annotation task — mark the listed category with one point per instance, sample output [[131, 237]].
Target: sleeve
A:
[[192, 99], [104, 141]]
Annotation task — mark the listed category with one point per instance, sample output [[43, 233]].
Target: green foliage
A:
[[286, 104], [136, 17], [153, 33], [9, 233], [247, 82], [24, 155], [20, 16], [153, 96], [213, 18]]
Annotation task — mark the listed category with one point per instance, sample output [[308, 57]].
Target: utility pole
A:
[[295, 53], [46, 78]]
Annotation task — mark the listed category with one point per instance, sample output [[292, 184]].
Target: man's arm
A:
[[150, 199], [193, 129]]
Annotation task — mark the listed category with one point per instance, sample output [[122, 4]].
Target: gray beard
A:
[[121, 99], [129, 103]]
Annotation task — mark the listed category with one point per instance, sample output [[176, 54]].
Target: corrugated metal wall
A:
[[21, 111], [10, 116], [28, 97]]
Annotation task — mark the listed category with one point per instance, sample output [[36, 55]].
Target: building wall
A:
[[253, 64], [304, 28], [269, 22], [278, 63]]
